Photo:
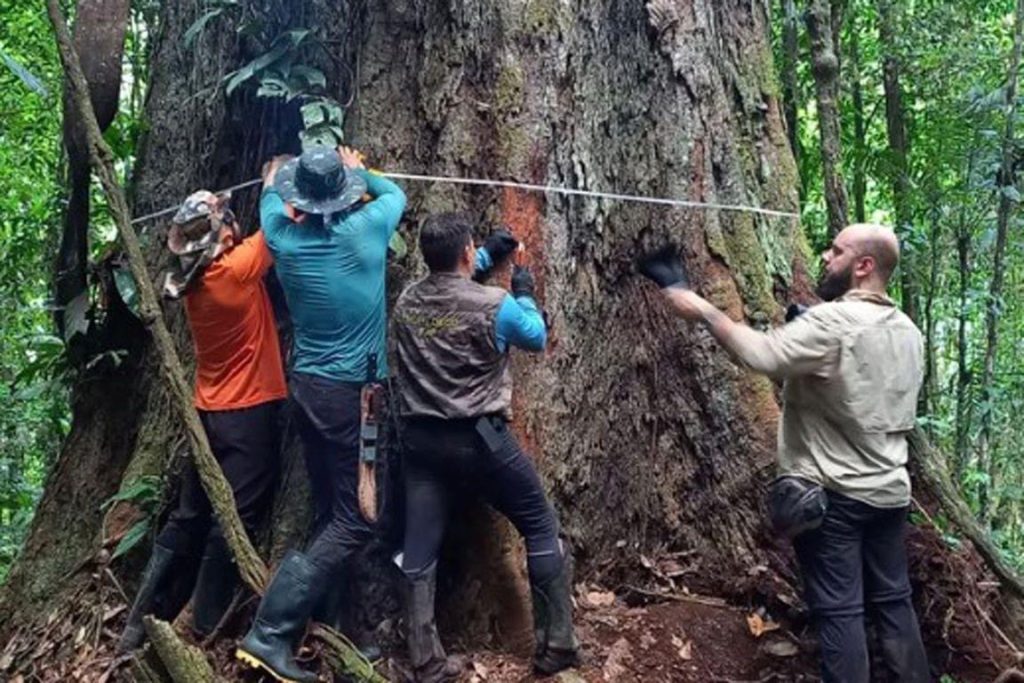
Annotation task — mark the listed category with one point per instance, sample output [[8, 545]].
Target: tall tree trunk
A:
[[1008, 200], [896, 126], [963, 374], [99, 37], [790, 76], [648, 437], [929, 386], [860, 134], [825, 68]]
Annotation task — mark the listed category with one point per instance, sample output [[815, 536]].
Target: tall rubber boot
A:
[[163, 591], [215, 586], [429, 662], [336, 609], [281, 620], [557, 647]]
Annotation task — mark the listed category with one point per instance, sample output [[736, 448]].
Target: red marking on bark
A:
[[521, 212]]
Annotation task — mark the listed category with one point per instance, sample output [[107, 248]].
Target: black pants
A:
[[446, 457], [326, 413], [245, 444], [857, 557]]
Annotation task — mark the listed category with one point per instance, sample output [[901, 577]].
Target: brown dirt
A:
[[676, 641]]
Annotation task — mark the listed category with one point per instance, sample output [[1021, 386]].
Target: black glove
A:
[[794, 311], [665, 267], [523, 283], [499, 245]]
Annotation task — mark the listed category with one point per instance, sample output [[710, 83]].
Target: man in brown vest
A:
[[455, 394]]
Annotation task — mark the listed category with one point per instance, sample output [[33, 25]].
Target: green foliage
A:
[[954, 59], [33, 395], [144, 494], [284, 71]]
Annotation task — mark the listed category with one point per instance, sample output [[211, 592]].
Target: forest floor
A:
[[658, 632], [687, 639]]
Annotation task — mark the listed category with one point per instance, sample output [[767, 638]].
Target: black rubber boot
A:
[[557, 648], [429, 662], [215, 586], [281, 620], [337, 610], [166, 583]]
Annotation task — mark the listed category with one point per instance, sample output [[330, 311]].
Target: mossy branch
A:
[[185, 663], [344, 658], [251, 567]]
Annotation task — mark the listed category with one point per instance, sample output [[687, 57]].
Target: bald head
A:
[[876, 241], [862, 256]]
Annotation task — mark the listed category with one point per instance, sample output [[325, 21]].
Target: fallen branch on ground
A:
[[185, 663]]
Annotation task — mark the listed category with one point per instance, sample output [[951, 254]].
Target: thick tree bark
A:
[[860, 143], [899, 170], [825, 68], [1008, 200]]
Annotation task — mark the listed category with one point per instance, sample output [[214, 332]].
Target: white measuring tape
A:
[[553, 189]]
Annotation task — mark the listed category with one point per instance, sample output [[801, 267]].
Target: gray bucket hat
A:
[[318, 183], [194, 237]]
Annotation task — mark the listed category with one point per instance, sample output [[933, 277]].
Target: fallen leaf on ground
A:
[[683, 648], [758, 626], [600, 598], [614, 665]]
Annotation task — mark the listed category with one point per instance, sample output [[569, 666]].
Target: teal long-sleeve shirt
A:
[[519, 322], [332, 271]]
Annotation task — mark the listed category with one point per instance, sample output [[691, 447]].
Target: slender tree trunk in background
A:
[[963, 375], [790, 77], [929, 386], [837, 16], [1008, 200], [825, 67], [898, 153], [860, 151], [99, 35]]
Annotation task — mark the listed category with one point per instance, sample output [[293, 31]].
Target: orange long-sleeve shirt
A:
[[238, 357]]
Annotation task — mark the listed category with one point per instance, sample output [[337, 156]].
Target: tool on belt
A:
[[370, 401]]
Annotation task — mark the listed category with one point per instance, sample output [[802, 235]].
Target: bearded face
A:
[[835, 283]]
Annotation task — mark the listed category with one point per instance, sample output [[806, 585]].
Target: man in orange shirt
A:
[[239, 387]]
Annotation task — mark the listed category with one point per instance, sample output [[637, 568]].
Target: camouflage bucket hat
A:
[[318, 183], [194, 237]]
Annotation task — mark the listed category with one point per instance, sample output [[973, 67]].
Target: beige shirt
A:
[[853, 369]]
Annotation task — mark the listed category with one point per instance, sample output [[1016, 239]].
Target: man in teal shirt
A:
[[330, 252]]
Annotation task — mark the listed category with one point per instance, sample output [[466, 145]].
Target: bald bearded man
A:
[[852, 368]]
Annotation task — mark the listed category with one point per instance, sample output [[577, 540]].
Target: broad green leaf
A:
[[132, 537], [397, 246], [189, 38]]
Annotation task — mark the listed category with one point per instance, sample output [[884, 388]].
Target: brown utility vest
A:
[[449, 365]]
